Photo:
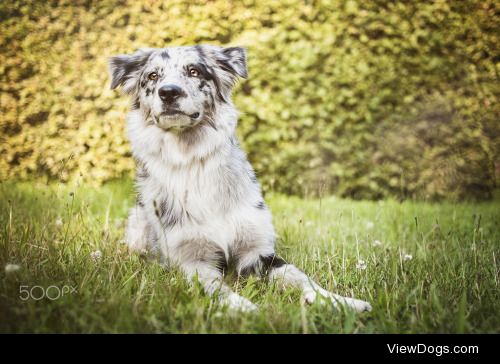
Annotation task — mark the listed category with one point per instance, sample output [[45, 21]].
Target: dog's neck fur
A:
[[180, 150]]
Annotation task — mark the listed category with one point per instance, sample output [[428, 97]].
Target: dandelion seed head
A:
[[96, 255], [361, 264]]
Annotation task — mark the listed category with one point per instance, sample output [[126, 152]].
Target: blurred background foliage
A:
[[363, 99]]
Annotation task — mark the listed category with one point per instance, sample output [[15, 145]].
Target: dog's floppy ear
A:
[[125, 69], [234, 60], [225, 66]]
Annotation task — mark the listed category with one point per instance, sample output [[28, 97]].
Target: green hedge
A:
[[365, 99]]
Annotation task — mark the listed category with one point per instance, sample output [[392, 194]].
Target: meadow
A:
[[425, 267]]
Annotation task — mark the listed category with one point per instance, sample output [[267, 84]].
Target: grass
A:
[[450, 285]]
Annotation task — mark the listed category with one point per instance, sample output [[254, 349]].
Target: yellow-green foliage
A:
[[360, 98]]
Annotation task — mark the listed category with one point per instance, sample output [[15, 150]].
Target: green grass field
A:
[[428, 268]]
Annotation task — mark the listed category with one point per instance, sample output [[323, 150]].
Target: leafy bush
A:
[[365, 99]]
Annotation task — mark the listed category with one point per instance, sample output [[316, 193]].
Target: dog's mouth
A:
[[176, 113], [177, 120]]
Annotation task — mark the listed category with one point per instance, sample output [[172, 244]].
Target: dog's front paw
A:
[[238, 303], [336, 300], [357, 305]]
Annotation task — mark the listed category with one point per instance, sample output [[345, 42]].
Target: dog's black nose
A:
[[169, 93]]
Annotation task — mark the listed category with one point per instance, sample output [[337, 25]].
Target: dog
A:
[[199, 204]]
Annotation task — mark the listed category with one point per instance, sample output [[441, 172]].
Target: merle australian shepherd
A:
[[199, 205]]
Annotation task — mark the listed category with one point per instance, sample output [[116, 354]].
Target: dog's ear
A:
[[234, 60], [125, 69], [226, 65]]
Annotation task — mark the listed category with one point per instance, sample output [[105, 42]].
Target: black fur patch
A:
[[209, 74], [221, 262], [226, 66], [167, 213], [136, 104], [164, 54], [271, 261], [263, 266], [218, 88], [261, 205]]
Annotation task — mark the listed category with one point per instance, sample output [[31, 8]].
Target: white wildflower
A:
[[11, 268], [407, 257], [377, 243], [95, 256], [370, 225], [59, 223], [361, 264]]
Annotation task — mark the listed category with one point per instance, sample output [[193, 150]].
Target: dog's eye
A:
[[153, 76], [193, 72]]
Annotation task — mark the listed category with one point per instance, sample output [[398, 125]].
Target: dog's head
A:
[[179, 87]]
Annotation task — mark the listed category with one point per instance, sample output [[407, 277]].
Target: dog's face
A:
[[179, 87]]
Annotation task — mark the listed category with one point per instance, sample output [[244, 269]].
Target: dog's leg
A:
[[206, 261], [212, 281], [287, 275], [137, 230]]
